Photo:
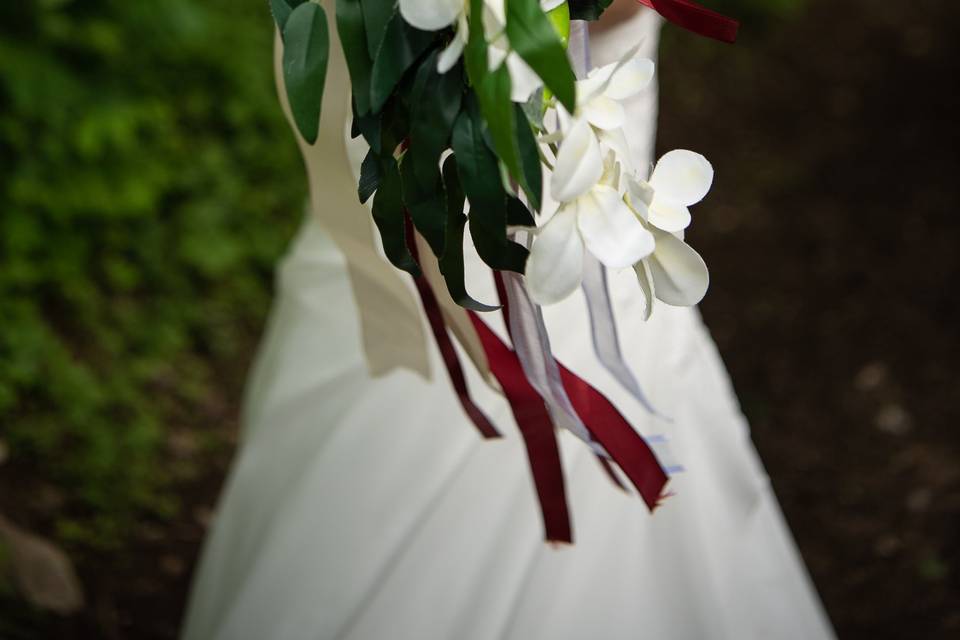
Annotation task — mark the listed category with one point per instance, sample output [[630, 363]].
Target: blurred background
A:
[[148, 184]]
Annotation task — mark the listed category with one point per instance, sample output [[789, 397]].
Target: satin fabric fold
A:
[[391, 329]]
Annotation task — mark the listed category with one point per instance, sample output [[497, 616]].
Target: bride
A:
[[363, 505]]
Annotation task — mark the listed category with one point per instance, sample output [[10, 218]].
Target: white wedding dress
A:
[[369, 508]]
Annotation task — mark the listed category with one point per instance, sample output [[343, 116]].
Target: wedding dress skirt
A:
[[367, 508]]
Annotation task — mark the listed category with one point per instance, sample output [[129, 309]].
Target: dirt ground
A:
[[832, 236]]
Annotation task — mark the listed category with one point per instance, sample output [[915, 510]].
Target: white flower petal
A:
[[550, 5], [630, 79], [610, 229], [645, 280], [598, 79], [579, 163], [592, 86], [680, 276], [611, 171], [494, 16], [523, 80], [555, 266], [449, 56], [604, 113], [431, 15], [615, 140], [495, 57], [639, 195], [682, 176], [667, 215]]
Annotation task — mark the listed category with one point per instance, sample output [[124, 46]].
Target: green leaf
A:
[[368, 126], [281, 10], [425, 202], [518, 215], [588, 9], [534, 109], [369, 176], [389, 218], [475, 53], [534, 39], [401, 45], [532, 182], [353, 39], [493, 93], [510, 141], [305, 53], [479, 173], [451, 262], [376, 16], [434, 105], [394, 119], [510, 134]]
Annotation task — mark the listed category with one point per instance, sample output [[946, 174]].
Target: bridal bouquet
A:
[[474, 115], [476, 101]]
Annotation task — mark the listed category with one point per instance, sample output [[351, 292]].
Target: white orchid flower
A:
[[600, 95], [674, 273], [600, 98], [592, 216], [679, 180]]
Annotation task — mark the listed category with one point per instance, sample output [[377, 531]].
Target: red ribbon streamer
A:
[[445, 344], [605, 423], [692, 17], [537, 429], [505, 306], [621, 440], [603, 420]]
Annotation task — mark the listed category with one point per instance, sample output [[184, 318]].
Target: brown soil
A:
[[832, 234]]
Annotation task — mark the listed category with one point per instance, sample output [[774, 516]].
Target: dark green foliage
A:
[[399, 48], [451, 262], [306, 50], [480, 178], [148, 185], [534, 39], [588, 9], [388, 214], [353, 40]]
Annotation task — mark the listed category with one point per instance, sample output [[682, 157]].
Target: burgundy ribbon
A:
[[521, 314], [692, 17], [445, 344], [536, 428], [621, 440], [605, 423]]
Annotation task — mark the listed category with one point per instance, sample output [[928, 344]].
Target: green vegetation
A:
[[148, 186]]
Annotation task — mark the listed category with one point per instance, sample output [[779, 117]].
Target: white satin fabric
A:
[[362, 508]]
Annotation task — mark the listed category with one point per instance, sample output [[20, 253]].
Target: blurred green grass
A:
[[148, 185]]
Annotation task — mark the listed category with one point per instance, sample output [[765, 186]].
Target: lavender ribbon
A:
[[606, 343], [532, 346], [578, 48]]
